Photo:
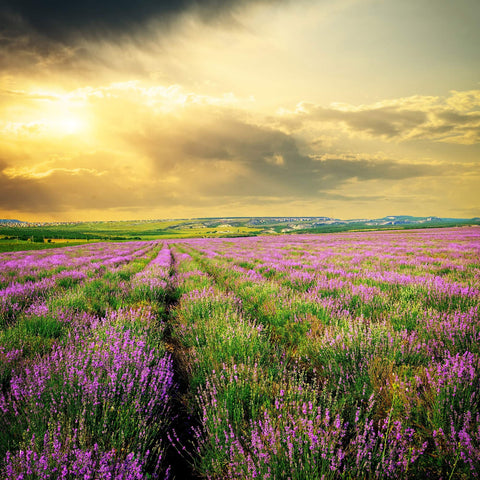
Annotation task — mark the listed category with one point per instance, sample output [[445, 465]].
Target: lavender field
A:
[[342, 356]]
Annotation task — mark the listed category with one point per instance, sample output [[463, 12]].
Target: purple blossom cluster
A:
[[105, 372], [152, 281], [32, 265], [460, 443], [18, 295], [60, 458]]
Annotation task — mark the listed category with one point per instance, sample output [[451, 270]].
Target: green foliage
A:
[[31, 336]]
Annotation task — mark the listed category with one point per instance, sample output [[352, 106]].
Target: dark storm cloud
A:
[[266, 162], [340, 169], [61, 20], [389, 122], [20, 193], [64, 191]]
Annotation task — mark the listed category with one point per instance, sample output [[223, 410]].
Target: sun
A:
[[61, 114], [71, 125], [65, 124]]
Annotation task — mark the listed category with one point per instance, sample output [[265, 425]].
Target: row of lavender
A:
[[86, 380], [352, 356], [28, 277]]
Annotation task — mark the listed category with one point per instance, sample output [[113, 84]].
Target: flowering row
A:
[[60, 274], [96, 401], [409, 363], [261, 416], [20, 267]]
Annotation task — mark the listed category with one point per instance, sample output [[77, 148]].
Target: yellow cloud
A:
[[464, 101], [453, 119], [33, 173]]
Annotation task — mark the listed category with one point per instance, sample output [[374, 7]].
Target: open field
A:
[[125, 230], [334, 356], [30, 236], [22, 245]]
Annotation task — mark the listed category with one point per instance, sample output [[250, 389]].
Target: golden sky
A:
[[174, 109]]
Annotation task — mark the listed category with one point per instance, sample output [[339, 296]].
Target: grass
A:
[[21, 245]]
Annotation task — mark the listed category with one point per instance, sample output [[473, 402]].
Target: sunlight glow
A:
[[69, 125]]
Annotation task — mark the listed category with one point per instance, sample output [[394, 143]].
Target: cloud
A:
[[340, 169], [62, 21], [88, 36], [67, 190], [455, 119], [386, 121], [224, 155], [27, 173], [180, 151], [222, 152], [22, 193], [209, 158]]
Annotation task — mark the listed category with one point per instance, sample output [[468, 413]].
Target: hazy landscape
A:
[[18, 235]]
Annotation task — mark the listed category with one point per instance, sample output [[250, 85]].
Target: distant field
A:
[[352, 355], [20, 245], [33, 236]]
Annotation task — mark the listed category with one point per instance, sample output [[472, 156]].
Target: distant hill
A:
[[215, 227], [8, 220]]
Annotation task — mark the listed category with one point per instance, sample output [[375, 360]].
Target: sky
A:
[[154, 109]]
